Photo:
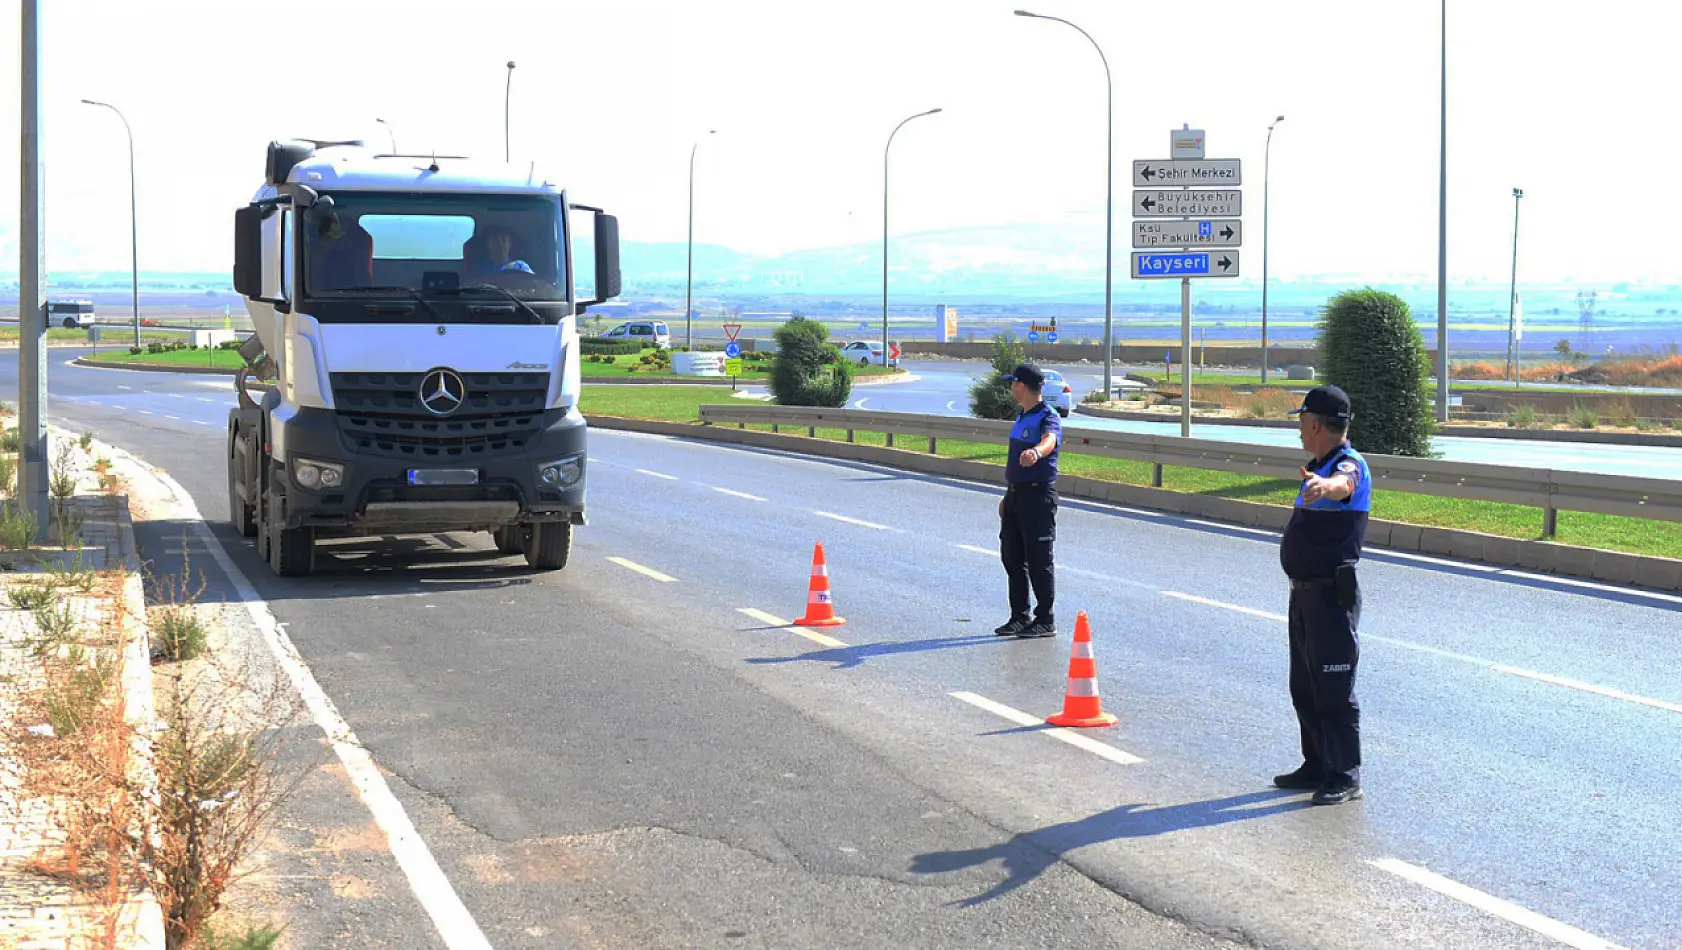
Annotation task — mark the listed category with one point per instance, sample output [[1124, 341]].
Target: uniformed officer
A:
[[1321, 546], [1028, 512]]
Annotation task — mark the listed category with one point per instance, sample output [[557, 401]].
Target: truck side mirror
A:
[[248, 252], [607, 257]]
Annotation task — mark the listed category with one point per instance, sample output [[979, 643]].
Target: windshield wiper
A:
[[480, 288], [392, 289]]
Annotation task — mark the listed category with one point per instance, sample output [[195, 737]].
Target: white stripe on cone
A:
[[1082, 651], [1083, 688]]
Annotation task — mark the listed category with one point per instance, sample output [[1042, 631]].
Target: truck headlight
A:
[[309, 473], [561, 473]]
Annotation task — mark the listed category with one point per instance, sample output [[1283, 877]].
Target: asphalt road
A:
[[603, 756]]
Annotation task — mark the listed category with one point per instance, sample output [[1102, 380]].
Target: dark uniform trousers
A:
[[1026, 533], [1324, 654]]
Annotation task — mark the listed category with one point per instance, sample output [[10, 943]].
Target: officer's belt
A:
[[1312, 583]]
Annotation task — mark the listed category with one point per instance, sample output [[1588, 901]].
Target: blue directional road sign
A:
[[1171, 264], [1033, 336], [863, 326], [1051, 337], [732, 350]]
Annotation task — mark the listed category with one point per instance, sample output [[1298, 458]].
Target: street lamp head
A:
[[1026, 13], [510, 64], [932, 111], [1280, 119], [1518, 192]]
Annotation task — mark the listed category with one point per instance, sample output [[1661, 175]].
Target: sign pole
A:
[[1185, 357], [31, 493]]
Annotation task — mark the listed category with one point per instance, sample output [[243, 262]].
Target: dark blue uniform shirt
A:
[[1032, 426], [1327, 533]]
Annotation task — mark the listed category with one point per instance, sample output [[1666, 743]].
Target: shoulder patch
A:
[[1348, 466]]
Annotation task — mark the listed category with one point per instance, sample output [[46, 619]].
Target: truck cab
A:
[[418, 317]]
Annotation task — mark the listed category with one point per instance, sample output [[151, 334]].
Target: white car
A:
[[647, 332], [1058, 393], [866, 352]]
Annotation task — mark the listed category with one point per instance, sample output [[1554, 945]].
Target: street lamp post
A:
[[1512, 293], [133, 224], [1442, 237], [389, 132], [507, 93], [689, 280], [885, 149], [1267, 158], [1109, 189]]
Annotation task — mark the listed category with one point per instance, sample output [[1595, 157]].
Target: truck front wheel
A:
[[510, 539], [548, 544], [291, 551]]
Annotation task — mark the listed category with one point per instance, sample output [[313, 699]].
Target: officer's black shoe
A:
[[1010, 629], [1337, 791], [1037, 631], [1305, 777]]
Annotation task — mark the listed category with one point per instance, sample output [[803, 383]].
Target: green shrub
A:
[[989, 397], [808, 369], [1523, 417], [228, 345], [1584, 417], [17, 527], [29, 596], [10, 441], [252, 938], [181, 635], [8, 474], [135, 350], [1374, 352], [589, 346]]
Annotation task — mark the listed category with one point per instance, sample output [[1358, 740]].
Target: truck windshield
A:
[[469, 253]]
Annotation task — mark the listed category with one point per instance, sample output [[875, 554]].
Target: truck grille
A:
[[382, 413]]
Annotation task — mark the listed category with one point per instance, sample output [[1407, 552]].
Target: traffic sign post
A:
[[1198, 246], [1165, 264], [1191, 171], [1203, 232]]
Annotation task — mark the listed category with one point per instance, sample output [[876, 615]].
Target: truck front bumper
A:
[[380, 493]]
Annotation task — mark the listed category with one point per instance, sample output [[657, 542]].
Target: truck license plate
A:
[[443, 476]]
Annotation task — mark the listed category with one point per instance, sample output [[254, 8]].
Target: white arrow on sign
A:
[[1218, 232], [1166, 265], [1209, 172], [1219, 203]]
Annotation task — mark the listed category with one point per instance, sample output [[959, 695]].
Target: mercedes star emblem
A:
[[442, 392]]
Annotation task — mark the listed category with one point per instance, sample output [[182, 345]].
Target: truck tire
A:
[[510, 540], [241, 514], [547, 545], [70, 323], [291, 550]]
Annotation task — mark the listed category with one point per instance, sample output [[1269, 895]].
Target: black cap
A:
[[1029, 375], [1328, 401]]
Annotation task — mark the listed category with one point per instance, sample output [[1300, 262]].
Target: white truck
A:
[[418, 316]]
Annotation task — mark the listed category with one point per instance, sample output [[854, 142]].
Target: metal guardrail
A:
[[1548, 489]]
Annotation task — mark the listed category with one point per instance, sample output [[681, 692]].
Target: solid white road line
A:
[[1490, 665], [1490, 904], [1233, 607], [737, 494], [669, 478], [129, 388], [645, 571], [436, 895], [846, 520], [174, 418], [144, 412], [771, 620], [971, 547], [1070, 736]]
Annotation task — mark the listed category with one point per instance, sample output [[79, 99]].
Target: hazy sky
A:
[[1567, 100]]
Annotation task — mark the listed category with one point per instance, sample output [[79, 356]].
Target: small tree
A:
[[989, 398], [808, 369], [1374, 352]]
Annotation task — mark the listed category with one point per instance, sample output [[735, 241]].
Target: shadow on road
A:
[[1031, 853], [846, 658]]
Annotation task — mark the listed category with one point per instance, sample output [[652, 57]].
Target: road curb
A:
[[1642, 439], [154, 367], [1614, 567]]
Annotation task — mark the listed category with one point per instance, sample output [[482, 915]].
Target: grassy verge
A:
[[751, 372], [220, 359], [1608, 532]]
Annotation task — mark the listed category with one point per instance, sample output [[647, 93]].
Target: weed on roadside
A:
[[86, 441], [251, 938], [8, 474], [54, 622], [1523, 417], [61, 481], [1582, 417], [29, 596], [17, 527]]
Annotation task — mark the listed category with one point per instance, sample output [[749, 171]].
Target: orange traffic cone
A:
[[1080, 703], [820, 606]]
